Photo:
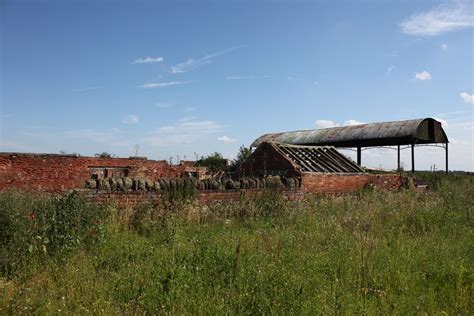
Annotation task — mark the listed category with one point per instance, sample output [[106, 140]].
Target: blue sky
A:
[[194, 77]]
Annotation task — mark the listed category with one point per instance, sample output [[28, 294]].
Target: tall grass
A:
[[372, 252]]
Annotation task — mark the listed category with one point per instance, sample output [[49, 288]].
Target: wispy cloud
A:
[[446, 17], [353, 122], [468, 98], [182, 132], [131, 119], [148, 60], [191, 63], [226, 139], [246, 77], [90, 135], [163, 84], [443, 122], [328, 123], [424, 75], [444, 46], [86, 89], [325, 124]]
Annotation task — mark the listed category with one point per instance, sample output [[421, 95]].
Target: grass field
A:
[[370, 253]]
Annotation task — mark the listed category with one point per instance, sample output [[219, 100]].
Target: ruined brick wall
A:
[[346, 183], [386, 181], [50, 172], [333, 183], [134, 198], [267, 161], [312, 184]]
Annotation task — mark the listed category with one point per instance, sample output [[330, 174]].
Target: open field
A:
[[372, 252]]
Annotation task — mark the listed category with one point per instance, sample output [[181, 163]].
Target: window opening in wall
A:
[[108, 172]]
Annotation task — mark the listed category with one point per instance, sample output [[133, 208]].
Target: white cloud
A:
[[443, 122], [131, 119], [329, 123], [148, 60], [424, 75], [191, 64], [352, 123], [163, 84], [182, 132], [226, 139], [444, 46], [90, 135], [246, 77], [468, 98], [325, 124], [447, 17]]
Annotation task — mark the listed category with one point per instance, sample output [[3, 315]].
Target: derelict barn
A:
[[276, 159], [402, 134], [320, 169]]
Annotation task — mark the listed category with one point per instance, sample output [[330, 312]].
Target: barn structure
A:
[[402, 134], [319, 169]]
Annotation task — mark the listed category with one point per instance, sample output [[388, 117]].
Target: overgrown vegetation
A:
[[242, 155], [214, 162], [369, 253]]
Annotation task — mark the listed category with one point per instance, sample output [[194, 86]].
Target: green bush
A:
[[35, 227]]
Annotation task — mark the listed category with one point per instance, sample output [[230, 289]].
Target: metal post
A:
[[447, 169], [412, 158], [398, 158], [359, 156]]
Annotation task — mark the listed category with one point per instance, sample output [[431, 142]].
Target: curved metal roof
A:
[[420, 131]]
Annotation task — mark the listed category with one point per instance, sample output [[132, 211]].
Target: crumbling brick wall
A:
[[134, 198], [50, 172], [267, 161], [347, 182]]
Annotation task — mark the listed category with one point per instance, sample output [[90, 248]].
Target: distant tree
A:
[[214, 162], [242, 155], [104, 155]]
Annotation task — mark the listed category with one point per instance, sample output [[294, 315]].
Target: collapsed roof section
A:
[[420, 131], [272, 158], [318, 158]]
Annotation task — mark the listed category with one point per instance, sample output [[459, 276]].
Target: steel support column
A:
[[398, 158], [359, 156], [447, 169], [412, 158]]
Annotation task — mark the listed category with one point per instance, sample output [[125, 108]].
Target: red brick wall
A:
[[312, 183], [133, 198], [342, 183], [56, 173], [387, 181]]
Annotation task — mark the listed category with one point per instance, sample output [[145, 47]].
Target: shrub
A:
[[35, 227]]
